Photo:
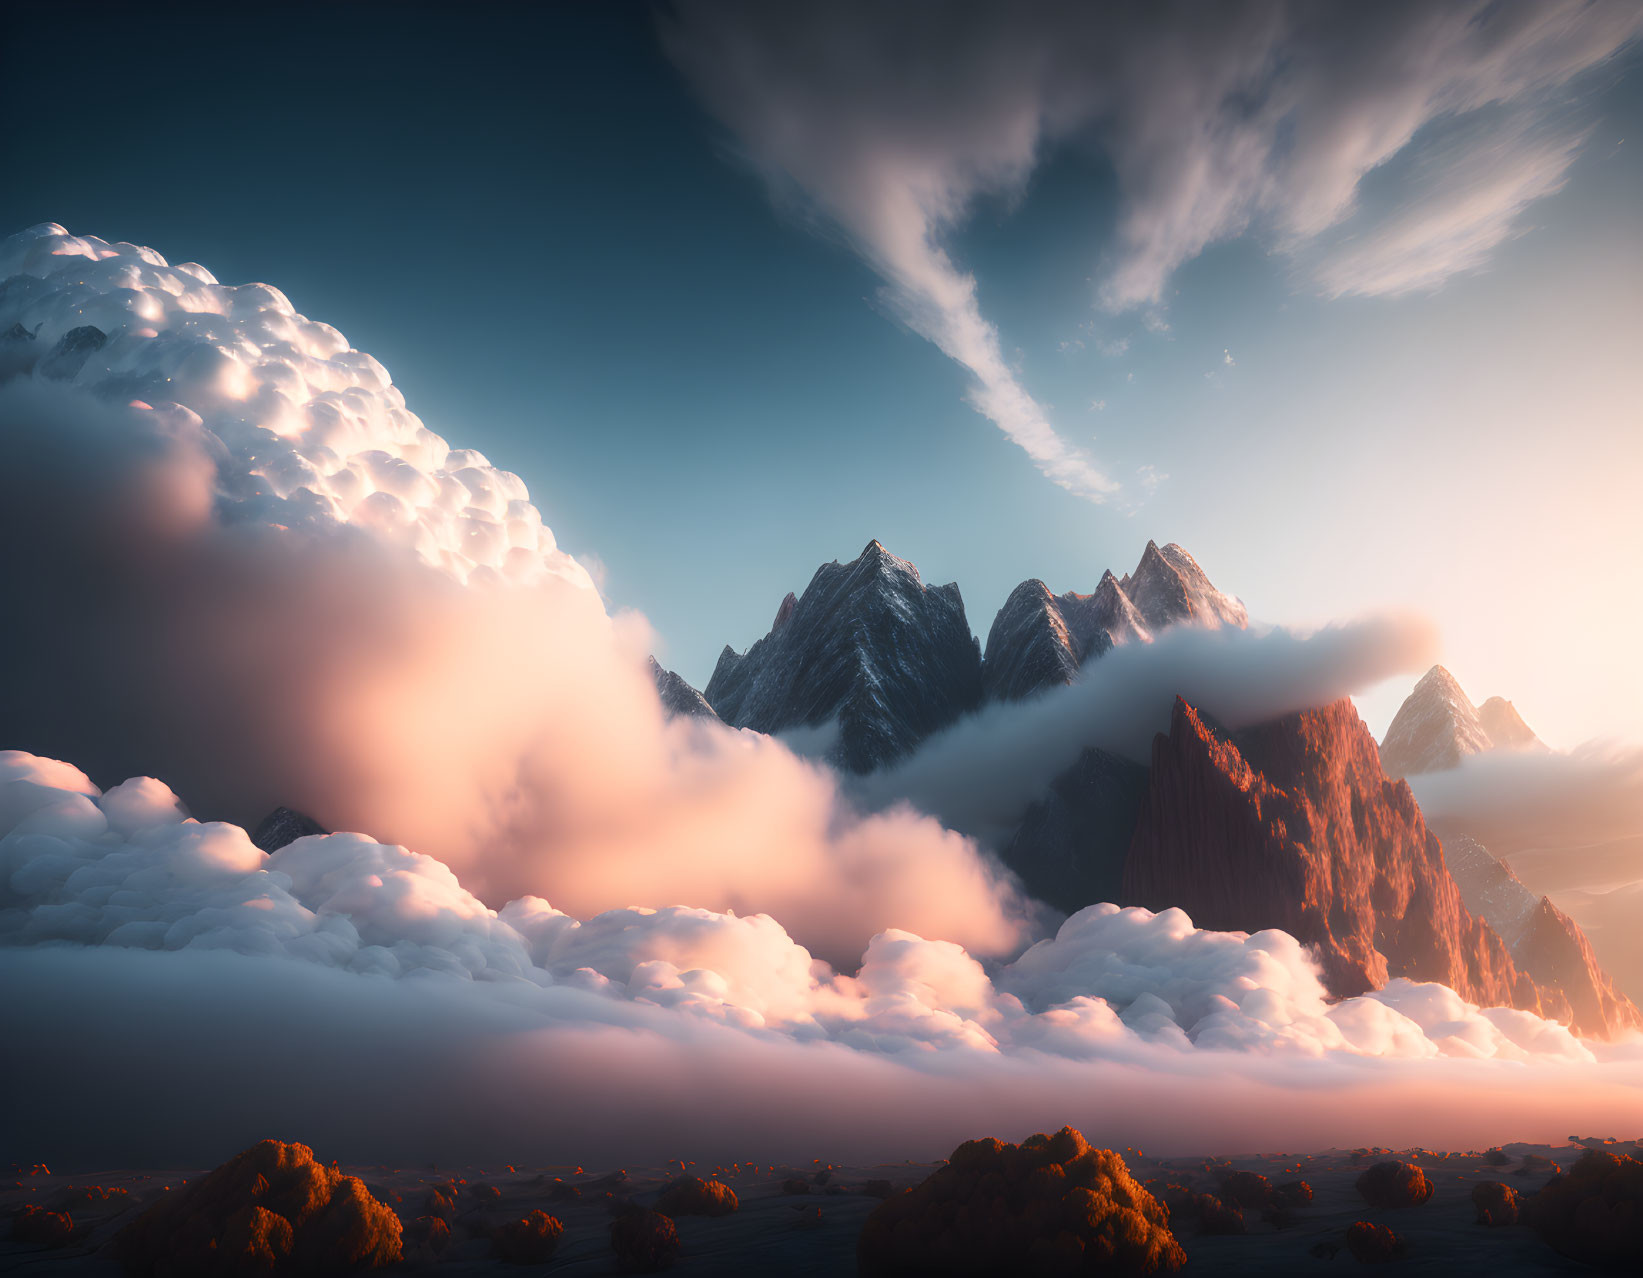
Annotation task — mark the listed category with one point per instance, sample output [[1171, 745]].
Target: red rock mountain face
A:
[[1294, 825]]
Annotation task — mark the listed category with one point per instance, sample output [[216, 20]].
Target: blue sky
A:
[[575, 257]]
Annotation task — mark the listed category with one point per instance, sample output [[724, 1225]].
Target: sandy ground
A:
[[814, 1233]]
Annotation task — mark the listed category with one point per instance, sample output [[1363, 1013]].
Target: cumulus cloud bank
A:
[[120, 916], [889, 122], [128, 868], [255, 573]]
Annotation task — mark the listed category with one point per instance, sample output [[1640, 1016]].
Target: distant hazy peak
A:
[[1505, 725], [1437, 726]]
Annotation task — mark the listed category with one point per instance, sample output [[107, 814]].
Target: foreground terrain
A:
[[779, 1229]]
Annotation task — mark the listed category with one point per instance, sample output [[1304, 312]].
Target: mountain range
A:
[[871, 655], [1300, 824]]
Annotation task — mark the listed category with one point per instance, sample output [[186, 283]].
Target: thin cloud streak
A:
[[889, 123], [1473, 201]]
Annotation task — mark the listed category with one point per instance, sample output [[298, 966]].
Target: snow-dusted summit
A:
[[872, 654], [1437, 726], [1039, 639], [868, 647]]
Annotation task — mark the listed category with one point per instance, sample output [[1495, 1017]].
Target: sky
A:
[[1351, 315]]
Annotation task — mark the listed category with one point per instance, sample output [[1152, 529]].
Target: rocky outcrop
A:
[[282, 826], [1039, 640], [1435, 729], [1293, 825], [1168, 588], [1107, 611], [678, 697], [1437, 726], [1069, 849], [1029, 647], [1489, 888], [868, 647], [73, 349]]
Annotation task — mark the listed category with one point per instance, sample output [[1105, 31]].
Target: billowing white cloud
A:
[[891, 122], [302, 418], [337, 986], [129, 869], [297, 594]]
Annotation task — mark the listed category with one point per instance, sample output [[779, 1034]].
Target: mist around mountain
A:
[[1299, 824], [874, 661]]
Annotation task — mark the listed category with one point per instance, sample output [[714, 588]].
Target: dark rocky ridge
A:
[[1293, 825], [870, 649], [73, 349], [282, 826], [1030, 646], [867, 645], [678, 697], [1039, 640], [1070, 847]]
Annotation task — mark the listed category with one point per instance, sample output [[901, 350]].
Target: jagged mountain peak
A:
[[1438, 681], [1029, 646], [1506, 727], [866, 645], [282, 826], [1544, 941], [1437, 726], [1167, 588], [677, 696], [874, 556]]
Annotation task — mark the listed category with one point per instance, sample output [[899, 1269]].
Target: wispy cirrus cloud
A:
[[1470, 198], [889, 122]]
